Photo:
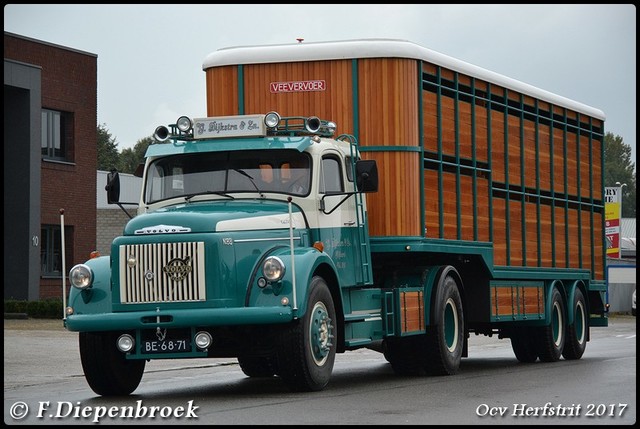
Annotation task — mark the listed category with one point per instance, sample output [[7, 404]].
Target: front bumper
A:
[[182, 318]]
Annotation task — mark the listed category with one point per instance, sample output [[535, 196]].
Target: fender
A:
[[578, 284], [434, 280], [307, 260], [547, 302], [96, 299]]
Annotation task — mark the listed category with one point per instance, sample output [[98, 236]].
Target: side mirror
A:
[[367, 175], [113, 187]]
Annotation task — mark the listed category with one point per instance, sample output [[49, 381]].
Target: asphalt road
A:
[[42, 371]]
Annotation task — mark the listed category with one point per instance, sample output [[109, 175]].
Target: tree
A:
[[618, 167], [108, 156], [131, 158]]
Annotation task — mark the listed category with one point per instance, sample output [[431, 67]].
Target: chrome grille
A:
[[162, 272]]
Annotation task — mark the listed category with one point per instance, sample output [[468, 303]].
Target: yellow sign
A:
[[612, 220]]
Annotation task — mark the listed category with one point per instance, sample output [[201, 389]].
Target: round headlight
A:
[[81, 276], [184, 124], [272, 119], [273, 269]]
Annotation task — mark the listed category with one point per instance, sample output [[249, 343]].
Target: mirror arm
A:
[[125, 210], [347, 195]]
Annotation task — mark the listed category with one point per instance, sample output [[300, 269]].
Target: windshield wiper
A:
[[253, 182], [224, 194]]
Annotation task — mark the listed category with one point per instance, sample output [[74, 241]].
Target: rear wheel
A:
[[107, 370], [406, 355], [445, 338], [551, 338], [524, 345], [307, 352], [576, 341]]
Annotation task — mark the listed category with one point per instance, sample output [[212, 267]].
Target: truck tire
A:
[[551, 338], [105, 368], [406, 355], [576, 338], [445, 337], [307, 351], [524, 345], [258, 366]]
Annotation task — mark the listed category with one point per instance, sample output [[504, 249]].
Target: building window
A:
[[51, 250], [55, 134]]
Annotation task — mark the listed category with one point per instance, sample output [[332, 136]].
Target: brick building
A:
[[50, 118]]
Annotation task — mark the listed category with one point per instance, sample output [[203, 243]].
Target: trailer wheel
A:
[[257, 366], [105, 368], [551, 338], [576, 341], [445, 337], [523, 345], [307, 352]]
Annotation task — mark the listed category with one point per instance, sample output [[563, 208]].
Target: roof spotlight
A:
[[184, 124], [272, 119]]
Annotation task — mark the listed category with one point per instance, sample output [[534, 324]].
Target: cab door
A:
[[337, 219]]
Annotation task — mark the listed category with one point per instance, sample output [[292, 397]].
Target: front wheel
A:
[[107, 370], [445, 338], [308, 350], [258, 366]]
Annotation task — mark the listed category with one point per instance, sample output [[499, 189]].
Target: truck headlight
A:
[[273, 269], [81, 276]]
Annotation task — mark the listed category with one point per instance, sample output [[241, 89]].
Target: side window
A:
[[331, 175], [56, 134]]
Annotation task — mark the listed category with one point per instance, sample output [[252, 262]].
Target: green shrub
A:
[[44, 309]]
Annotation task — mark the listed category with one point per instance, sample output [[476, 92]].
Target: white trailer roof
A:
[[380, 48]]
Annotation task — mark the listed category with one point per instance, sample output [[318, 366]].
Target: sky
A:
[[150, 56]]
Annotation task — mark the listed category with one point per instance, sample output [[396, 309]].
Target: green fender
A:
[[307, 261], [96, 299], [433, 280], [571, 295], [547, 302]]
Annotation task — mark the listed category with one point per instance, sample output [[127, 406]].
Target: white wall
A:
[[621, 281]]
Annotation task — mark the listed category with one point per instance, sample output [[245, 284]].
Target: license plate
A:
[[166, 346]]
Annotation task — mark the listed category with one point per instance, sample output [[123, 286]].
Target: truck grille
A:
[[162, 272]]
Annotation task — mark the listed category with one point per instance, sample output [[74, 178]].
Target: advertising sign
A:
[[612, 220]]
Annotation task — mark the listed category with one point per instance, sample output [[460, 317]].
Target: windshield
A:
[[282, 171]]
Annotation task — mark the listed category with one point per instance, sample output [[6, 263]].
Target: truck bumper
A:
[[178, 318]]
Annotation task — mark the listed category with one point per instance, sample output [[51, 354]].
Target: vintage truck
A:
[[341, 195]]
